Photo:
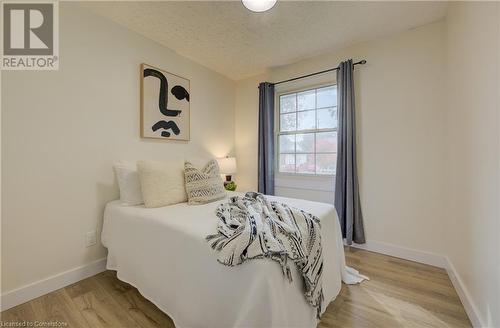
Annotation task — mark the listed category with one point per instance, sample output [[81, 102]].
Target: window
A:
[[307, 134]]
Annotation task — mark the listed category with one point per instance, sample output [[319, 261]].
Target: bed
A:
[[163, 253]]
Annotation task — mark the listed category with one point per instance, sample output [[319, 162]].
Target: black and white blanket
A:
[[253, 227]]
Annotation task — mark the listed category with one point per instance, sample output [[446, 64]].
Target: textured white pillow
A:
[[162, 183], [128, 182], [205, 185]]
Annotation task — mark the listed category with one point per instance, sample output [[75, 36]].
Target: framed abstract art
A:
[[165, 103]]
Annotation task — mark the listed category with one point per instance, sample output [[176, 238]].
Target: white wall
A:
[[62, 131], [400, 115], [246, 127], [473, 150]]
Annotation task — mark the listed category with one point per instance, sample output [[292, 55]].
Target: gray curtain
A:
[[266, 138], [347, 200]]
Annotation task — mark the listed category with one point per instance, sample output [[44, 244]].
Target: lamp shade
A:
[[227, 165]]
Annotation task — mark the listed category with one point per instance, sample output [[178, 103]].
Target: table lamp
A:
[[227, 166]]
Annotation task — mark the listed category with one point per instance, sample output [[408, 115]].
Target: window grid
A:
[[297, 131]]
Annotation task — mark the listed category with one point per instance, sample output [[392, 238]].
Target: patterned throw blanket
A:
[[253, 227]]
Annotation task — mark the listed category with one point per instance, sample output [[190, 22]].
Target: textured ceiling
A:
[[237, 43]]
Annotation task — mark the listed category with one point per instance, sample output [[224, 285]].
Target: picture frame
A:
[[165, 104]]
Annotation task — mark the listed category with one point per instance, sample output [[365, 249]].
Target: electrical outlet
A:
[[91, 238]]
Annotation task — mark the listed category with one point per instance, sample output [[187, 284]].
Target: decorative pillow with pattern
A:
[[205, 185]]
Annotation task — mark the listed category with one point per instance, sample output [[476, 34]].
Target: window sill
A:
[[304, 175], [324, 183]]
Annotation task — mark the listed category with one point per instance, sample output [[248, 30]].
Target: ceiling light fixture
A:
[[258, 6]]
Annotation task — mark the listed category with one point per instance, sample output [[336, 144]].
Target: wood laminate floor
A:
[[400, 294]]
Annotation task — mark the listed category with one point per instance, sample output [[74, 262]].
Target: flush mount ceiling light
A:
[[258, 6]]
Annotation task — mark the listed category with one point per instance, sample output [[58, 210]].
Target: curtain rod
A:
[[361, 62]]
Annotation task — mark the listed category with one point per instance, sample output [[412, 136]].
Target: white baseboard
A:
[[58, 281], [469, 305], [403, 253], [434, 260]]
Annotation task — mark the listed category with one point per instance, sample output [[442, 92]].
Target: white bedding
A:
[[163, 252]]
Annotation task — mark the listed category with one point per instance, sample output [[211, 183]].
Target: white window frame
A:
[[277, 128]]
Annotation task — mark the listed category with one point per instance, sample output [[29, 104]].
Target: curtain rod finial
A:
[[362, 62]]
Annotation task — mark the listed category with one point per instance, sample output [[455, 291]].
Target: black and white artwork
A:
[[164, 104]]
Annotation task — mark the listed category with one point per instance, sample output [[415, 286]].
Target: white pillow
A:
[[162, 183], [128, 182]]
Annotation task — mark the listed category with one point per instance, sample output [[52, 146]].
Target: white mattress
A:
[[163, 252]]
